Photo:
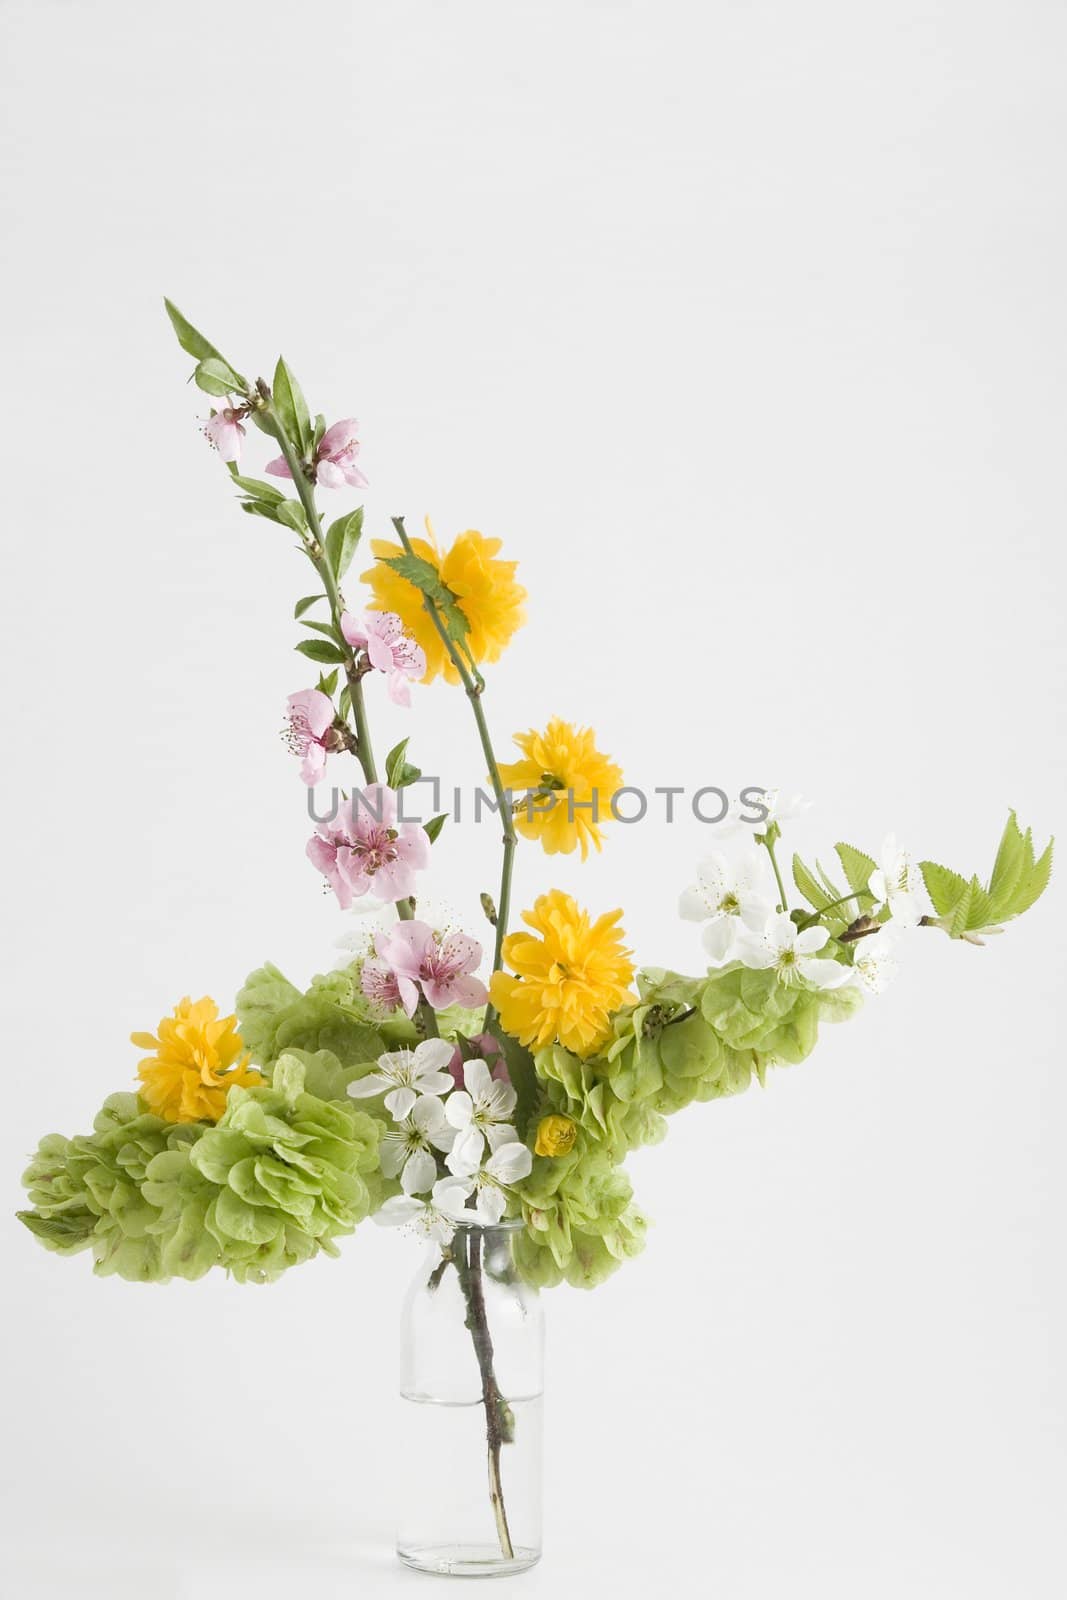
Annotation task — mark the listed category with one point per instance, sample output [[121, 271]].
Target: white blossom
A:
[[898, 883], [409, 1152], [431, 1219], [727, 897], [479, 1112], [791, 954], [407, 1074]]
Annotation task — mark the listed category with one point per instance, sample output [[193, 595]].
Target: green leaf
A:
[[1011, 862], [345, 702], [426, 578], [806, 883], [959, 919], [342, 537], [1036, 880], [290, 513], [328, 683], [256, 487], [944, 887], [394, 763], [434, 826], [398, 771], [856, 866], [261, 508], [324, 628], [216, 377], [291, 407], [194, 344], [320, 650], [305, 604]]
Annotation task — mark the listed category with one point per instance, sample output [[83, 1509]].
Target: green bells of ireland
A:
[[279, 1178]]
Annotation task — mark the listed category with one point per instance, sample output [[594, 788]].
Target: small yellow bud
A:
[[555, 1135]]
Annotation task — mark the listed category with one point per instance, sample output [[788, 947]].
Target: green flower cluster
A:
[[687, 1039], [282, 1175], [274, 1016]]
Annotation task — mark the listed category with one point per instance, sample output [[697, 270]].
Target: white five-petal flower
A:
[[874, 964], [791, 953], [408, 1153], [431, 1219], [478, 1112], [779, 806], [898, 883], [407, 1074], [509, 1163], [727, 896]]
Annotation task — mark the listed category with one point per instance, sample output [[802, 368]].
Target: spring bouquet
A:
[[429, 1082]]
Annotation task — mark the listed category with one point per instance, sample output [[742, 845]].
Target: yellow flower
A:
[[199, 1056], [555, 1136], [567, 773], [569, 979], [489, 597]]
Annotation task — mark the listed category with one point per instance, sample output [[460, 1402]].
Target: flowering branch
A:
[[315, 547], [474, 685]]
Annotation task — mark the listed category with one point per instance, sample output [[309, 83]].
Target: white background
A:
[[744, 326]]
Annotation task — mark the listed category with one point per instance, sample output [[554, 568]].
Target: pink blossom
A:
[[310, 722], [383, 987], [389, 649], [335, 458], [224, 429], [416, 956], [363, 851]]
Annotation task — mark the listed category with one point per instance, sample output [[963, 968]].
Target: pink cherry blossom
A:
[[441, 966], [309, 715], [224, 429], [362, 850], [389, 649], [335, 458]]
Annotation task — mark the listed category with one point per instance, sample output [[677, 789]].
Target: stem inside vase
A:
[[499, 1423]]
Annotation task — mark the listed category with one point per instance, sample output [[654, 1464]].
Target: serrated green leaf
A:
[[291, 408], [1035, 883], [217, 378], [945, 888], [979, 908], [959, 918], [434, 826], [342, 537], [856, 866], [804, 879], [320, 650], [1011, 863], [305, 604]]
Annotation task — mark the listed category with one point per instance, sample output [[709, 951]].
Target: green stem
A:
[[831, 905], [315, 548], [768, 845], [474, 685]]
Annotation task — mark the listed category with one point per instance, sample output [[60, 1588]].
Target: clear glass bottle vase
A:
[[471, 1386]]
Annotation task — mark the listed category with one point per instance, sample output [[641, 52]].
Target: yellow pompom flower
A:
[[485, 587], [569, 977], [562, 773], [555, 1135], [198, 1057]]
